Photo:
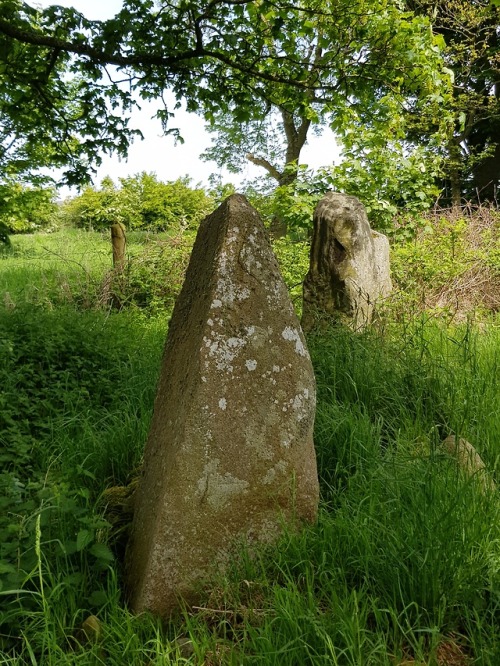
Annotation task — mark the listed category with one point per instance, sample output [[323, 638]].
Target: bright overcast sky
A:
[[159, 153]]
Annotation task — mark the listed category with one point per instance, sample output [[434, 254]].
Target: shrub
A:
[[293, 258], [26, 209], [452, 264], [74, 410], [140, 202], [153, 278], [4, 236]]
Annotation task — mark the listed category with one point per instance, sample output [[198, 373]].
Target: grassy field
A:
[[403, 565]]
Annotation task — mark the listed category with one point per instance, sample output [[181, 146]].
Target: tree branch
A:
[[36, 38], [260, 161]]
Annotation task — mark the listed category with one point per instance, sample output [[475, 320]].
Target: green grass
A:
[[50, 269], [74, 267], [403, 563]]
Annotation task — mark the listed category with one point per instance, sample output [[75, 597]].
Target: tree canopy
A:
[[67, 82], [378, 57], [24, 208], [470, 29]]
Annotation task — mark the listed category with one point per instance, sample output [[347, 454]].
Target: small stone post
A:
[[119, 243]]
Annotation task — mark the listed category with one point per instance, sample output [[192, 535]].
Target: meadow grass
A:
[[403, 565], [74, 267], [50, 269]]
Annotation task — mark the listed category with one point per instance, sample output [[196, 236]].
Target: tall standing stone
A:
[[349, 271], [230, 453]]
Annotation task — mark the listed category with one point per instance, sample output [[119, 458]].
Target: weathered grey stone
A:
[[469, 461], [349, 268], [230, 453]]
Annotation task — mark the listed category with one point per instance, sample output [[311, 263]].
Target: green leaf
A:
[[98, 598], [6, 567], [102, 552], [450, 73], [83, 539]]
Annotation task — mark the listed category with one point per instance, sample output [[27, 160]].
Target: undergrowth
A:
[[74, 268], [402, 567], [451, 264], [403, 562], [448, 264]]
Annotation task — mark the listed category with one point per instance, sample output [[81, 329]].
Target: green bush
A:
[[152, 278], [74, 411], [386, 179], [25, 209], [141, 202], [293, 258], [4, 236], [451, 264]]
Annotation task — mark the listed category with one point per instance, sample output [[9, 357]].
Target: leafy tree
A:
[[472, 52], [387, 178], [24, 208], [381, 60], [273, 142], [165, 205], [98, 208], [139, 202], [67, 81], [51, 106]]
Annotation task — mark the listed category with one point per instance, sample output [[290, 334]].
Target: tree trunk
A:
[[455, 174], [295, 140]]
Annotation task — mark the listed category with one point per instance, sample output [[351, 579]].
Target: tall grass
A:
[[404, 562], [403, 565], [38, 267], [74, 267]]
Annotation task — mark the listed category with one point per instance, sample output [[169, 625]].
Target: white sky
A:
[[159, 153]]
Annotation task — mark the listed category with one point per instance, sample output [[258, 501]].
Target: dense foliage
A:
[[472, 51], [379, 57], [68, 82], [72, 375], [398, 151], [384, 178], [26, 209], [387, 68], [141, 202], [450, 262]]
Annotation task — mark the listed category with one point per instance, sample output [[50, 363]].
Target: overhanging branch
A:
[[260, 161], [36, 38], [142, 59]]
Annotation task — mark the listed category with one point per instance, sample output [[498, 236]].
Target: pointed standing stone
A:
[[230, 453]]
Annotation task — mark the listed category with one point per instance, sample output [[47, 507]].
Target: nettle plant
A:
[[52, 367]]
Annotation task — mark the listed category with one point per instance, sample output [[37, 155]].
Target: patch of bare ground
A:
[[449, 652]]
